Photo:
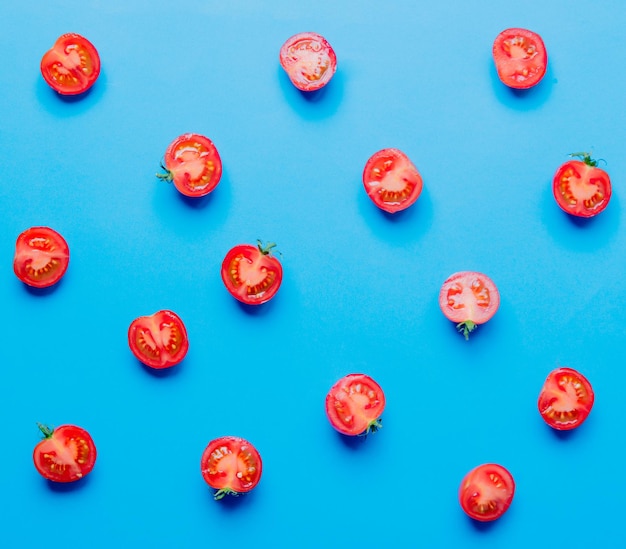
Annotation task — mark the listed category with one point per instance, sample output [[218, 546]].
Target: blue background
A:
[[360, 287]]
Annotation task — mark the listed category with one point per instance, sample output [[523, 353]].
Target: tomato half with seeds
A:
[[469, 299], [520, 57], [72, 65], [193, 164], [231, 466], [41, 257], [65, 454], [580, 187], [565, 399], [252, 274], [354, 405], [158, 340], [486, 492], [309, 61]]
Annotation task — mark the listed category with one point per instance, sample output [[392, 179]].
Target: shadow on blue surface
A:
[[69, 105], [65, 487], [523, 100]]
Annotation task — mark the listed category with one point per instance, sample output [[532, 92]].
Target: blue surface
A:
[[360, 288]]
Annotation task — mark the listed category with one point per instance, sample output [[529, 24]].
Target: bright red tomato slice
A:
[[486, 492], [565, 399], [309, 61], [354, 405], [66, 453], [469, 298], [520, 57], [193, 164], [72, 65], [580, 187], [231, 465], [41, 257], [159, 340], [391, 180], [251, 274]]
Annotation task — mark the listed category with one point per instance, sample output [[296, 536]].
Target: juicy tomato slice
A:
[[565, 399], [231, 465], [391, 180], [486, 492], [158, 340], [193, 164], [520, 57], [66, 453], [354, 405], [580, 187], [72, 65], [309, 61], [251, 274], [469, 298], [41, 257]]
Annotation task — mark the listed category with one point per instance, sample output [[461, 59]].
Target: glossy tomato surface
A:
[[486, 492], [309, 61], [41, 257], [231, 465], [158, 340], [565, 399], [66, 453], [193, 164], [72, 65], [520, 57], [391, 180], [354, 405]]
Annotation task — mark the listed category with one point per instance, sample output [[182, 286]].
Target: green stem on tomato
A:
[[265, 250], [225, 492], [167, 176], [466, 328], [586, 158], [47, 431], [374, 426]]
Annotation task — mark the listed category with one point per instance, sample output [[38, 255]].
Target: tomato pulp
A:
[[158, 340]]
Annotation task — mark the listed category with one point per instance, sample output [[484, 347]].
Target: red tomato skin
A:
[[393, 166], [555, 387], [526, 65], [300, 52], [38, 243], [577, 174], [479, 482], [156, 354]]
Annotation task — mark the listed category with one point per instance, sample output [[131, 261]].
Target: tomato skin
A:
[[520, 57], [309, 61], [566, 399], [231, 465], [72, 65], [158, 340], [193, 164], [66, 454], [486, 492], [354, 405], [391, 180], [41, 257]]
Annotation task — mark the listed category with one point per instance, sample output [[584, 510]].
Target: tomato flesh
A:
[[158, 340], [566, 399], [309, 61], [520, 58], [486, 492], [41, 257]]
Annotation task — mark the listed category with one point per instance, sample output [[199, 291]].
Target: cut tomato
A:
[[41, 257], [159, 340], [309, 61], [486, 492], [565, 399], [520, 57]]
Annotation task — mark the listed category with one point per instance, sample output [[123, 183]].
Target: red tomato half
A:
[[193, 164], [309, 61], [354, 405], [565, 399], [231, 465], [486, 492], [469, 298], [158, 340], [41, 257], [520, 57], [66, 453], [251, 274], [72, 65], [391, 180], [580, 187]]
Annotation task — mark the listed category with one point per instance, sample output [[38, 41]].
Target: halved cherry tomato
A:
[[580, 187], [565, 399], [354, 405], [251, 274], [192, 162], [41, 257], [309, 61], [72, 65], [66, 453], [469, 298], [391, 180], [520, 57], [486, 492], [159, 340], [231, 465]]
